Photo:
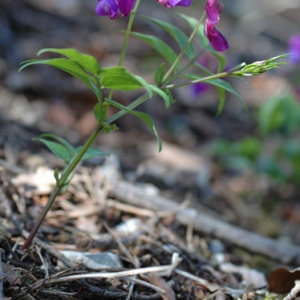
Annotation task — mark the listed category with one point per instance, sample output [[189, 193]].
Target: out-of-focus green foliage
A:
[[275, 150]]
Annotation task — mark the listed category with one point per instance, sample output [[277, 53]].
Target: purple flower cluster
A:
[[114, 8], [215, 37], [122, 8], [172, 3]]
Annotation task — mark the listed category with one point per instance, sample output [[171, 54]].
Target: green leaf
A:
[[57, 149], [224, 85], [218, 83], [81, 66], [121, 79], [142, 116], [56, 176], [149, 122], [91, 153], [60, 140], [161, 47], [165, 94], [178, 35], [100, 112], [68, 66], [222, 99], [159, 74], [193, 22], [87, 62]]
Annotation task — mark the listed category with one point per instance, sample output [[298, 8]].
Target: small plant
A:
[[176, 69], [275, 150]]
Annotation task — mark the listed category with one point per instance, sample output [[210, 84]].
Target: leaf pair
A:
[[86, 68], [187, 47], [61, 148]]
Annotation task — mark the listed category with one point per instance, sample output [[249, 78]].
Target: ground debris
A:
[[160, 256]]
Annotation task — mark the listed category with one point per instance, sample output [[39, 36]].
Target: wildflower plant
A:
[[177, 69]]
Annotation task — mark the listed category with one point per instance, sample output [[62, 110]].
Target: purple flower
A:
[[172, 3], [215, 37], [199, 89], [213, 9], [294, 49], [114, 8]]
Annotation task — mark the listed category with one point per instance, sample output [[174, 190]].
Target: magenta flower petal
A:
[[215, 37], [172, 3], [213, 10], [294, 49], [125, 7]]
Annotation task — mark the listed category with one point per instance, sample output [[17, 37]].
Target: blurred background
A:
[[243, 164]]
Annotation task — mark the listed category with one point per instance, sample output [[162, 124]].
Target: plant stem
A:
[[203, 79], [131, 106], [178, 58], [128, 32], [68, 170], [62, 182]]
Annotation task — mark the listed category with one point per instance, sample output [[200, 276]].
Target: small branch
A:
[[281, 251], [161, 270]]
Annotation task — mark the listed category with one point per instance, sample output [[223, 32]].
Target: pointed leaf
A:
[[142, 116], [149, 122], [161, 47], [87, 62], [159, 74], [221, 93], [57, 149], [165, 94], [91, 153], [121, 79], [218, 82], [61, 140], [193, 22], [178, 35], [68, 66], [100, 112]]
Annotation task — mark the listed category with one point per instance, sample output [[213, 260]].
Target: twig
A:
[[147, 284], [211, 286], [161, 270], [46, 268], [134, 260], [284, 252]]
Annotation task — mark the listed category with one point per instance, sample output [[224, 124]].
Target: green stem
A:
[[131, 106], [68, 170], [126, 38], [203, 79], [178, 58], [187, 66], [128, 32]]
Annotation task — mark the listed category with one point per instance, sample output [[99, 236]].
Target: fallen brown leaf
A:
[[281, 280]]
